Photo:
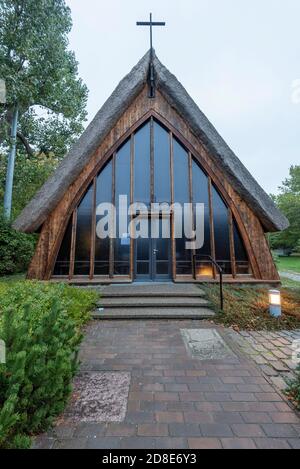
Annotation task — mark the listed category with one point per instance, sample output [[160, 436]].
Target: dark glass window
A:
[[62, 264], [83, 234], [162, 184], [221, 228], [200, 195], [241, 258], [142, 165], [122, 241], [103, 194], [181, 195]]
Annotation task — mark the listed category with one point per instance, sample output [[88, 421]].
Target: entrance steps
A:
[[153, 301]]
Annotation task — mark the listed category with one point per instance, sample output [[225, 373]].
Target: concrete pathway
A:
[[175, 400]]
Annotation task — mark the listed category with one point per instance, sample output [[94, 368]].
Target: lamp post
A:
[[275, 303]]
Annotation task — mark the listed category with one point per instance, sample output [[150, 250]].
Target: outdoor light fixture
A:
[[275, 303]]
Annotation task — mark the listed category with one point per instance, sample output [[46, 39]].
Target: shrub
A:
[[40, 324], [35, 383], [16, 249]]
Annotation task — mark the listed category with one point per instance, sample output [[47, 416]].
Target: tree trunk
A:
[[11, 166]]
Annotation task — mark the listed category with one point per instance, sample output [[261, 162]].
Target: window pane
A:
[[241, 258], [62, 264], [122, 242], [103, 194], [200, 195], [162, 185], [83, 234], [142, 165], [181, 195], [221, 228]]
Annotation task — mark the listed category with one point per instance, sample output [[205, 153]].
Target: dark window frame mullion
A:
[[231, 243], [212, 225], [93, 231], [73, 244], [113, 201]]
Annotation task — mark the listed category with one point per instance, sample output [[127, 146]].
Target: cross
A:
[[150, 23], [151, 74]]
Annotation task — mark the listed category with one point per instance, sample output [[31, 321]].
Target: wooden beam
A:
[[93, 233], [113, 200], [132, 241], [231, 243], [73, 244], [173, 241], [211, 224]]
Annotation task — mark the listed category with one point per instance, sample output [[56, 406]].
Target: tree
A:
[[288, 201], [41, 77]]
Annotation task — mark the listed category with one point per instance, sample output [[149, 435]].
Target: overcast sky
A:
[[237, 59]]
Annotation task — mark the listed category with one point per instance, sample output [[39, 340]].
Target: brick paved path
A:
[[176, 401]]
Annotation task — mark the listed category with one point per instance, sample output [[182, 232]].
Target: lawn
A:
[[291, 263], [246, 307]]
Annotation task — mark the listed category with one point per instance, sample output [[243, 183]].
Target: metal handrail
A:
[[219, 269]]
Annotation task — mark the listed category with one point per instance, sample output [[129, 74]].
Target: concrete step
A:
[[154, 294], [157, 302], [154, 313]]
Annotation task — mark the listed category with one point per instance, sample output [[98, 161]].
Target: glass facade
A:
[[142, 168]]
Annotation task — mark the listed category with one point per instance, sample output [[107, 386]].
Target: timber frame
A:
[[141, 109]]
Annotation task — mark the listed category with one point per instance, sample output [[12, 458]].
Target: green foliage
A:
[[16, 249], [247, 308], [41, 74], [39, 323], [288, 201], [30, 175], [77, 302]]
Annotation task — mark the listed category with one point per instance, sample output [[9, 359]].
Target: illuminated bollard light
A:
[[275, 303]]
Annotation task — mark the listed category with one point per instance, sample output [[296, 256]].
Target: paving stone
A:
[[43, 443], [171, 443], [294, 443], [184, 429], [153, 429], [216, 430], [121, 430], [238, 443], [269, 371], [204, 443], [284, 417], [276, 430], [247, 430], [89, 430], [198, 417], [256, 417], [169, 417], [271, 443]]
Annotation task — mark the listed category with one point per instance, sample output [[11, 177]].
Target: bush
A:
[[76, 302], [16, 249], [40, 324]]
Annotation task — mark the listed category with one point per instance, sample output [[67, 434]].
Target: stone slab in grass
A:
[[99, 397], [206, 344]]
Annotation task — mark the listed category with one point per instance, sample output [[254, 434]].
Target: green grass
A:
[[247, 308], [291, 263]]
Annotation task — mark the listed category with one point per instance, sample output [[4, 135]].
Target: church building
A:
[[151, 145]]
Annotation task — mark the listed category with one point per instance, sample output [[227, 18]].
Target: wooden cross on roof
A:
[[151, 24]]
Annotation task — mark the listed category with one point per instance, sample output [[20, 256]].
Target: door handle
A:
[[155, 251]]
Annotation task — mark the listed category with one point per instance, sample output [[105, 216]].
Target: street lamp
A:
[[275, 303]]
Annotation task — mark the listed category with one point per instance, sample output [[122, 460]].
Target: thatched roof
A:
[[46, 199]]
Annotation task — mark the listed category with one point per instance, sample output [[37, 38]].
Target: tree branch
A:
[[23, 139]]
